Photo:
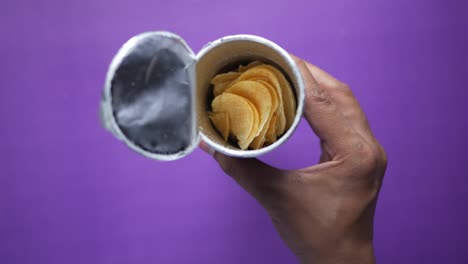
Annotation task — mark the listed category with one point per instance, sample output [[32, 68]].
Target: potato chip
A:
[[256, 120], [221, 121], [255, 105], [289, 102], [273, 94], [221, 82], [270, 135], [260, 138], [225, 77], [241, 115], [258, 141], [220, 88], [256, 93], [269, 77], [249, 66], [265, 74]]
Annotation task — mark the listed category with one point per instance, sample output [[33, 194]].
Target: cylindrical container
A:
[[157, 92]]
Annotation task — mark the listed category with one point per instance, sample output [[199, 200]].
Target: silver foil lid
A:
[[149, 96]]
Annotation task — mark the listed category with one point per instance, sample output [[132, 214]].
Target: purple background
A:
[[71, 193]]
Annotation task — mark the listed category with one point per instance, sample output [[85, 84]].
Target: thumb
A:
[[256, 177]]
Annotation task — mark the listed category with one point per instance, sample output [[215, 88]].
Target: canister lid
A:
[[149, 96]]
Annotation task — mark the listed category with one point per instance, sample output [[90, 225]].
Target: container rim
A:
[[300, 95]]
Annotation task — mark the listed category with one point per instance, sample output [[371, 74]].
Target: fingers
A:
[[256, 177], [323, 115], [363, 147], [342, 95]]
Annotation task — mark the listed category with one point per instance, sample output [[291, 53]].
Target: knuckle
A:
[[320, 98], [370, 158], [366, 157]]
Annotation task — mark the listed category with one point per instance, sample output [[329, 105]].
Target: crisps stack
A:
[[253, 106]]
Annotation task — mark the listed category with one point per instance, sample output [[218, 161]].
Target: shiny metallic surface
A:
[[157, 93], [148, 99], [227, 53]]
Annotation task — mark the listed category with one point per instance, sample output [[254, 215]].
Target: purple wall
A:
[[71, 193]]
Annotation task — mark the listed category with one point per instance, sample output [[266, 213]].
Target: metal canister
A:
[[157, 92]]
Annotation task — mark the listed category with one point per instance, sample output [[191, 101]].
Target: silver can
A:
[[157, 92]]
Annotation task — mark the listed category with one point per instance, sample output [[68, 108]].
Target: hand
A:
[[325, 212]]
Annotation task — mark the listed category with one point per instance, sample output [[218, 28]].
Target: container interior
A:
[[227, 54]]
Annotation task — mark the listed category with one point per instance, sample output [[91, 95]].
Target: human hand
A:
[[325, 212]]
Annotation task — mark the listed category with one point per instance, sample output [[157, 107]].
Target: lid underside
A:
[[150, 85]]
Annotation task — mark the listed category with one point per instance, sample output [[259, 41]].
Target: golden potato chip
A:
[[273, 94], [221, 121], [255, 105], [260, 138], [269, 77], [289, 102], [241, 115], [249, 66], [245, 144], [225, 77], [258, 95], [221, 82], [257, 72], [270, 135], [220, 88], [258, 141]]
